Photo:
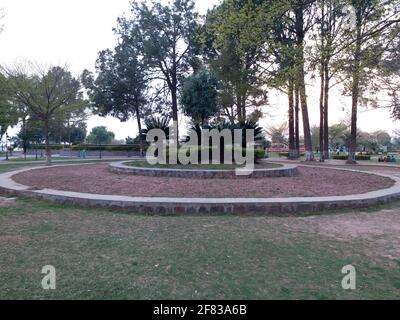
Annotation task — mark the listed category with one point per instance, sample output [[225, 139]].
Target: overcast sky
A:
[[74, 31]]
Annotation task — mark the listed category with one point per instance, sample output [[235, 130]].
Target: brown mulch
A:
[[98, 179]]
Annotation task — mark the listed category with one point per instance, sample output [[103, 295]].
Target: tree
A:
[[101, 136], [291, 22], [282, 43], [302, 10], [331, 23], [278, 134], [374, 23], [165, 34], [233, 40], [383, 138], [8, 114], [30, 133], [120, 89], [46, 93], [338, 134], [76, 134], [199, 97]]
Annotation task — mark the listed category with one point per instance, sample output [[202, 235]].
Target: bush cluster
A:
[[358, 157], [286, 154], [258, 153], [43, 147], [112, 148]]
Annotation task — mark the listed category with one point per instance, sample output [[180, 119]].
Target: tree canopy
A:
[[199, 96]]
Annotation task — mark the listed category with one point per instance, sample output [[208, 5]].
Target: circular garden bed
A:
[[98, 179], [210, 171]]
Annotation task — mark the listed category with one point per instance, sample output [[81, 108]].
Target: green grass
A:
[[145, 164], [30, 159], [100, 254], [7, 166]]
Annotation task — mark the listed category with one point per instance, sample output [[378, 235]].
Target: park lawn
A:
[[11, 165], [30, 159], [99, 254]]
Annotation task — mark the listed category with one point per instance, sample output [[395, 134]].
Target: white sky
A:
[[74, 31]]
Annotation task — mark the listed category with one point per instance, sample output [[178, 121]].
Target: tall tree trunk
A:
[[292, 142], [174, 94], [239, 107], [139, 123], [321, 114], [300, 34], [47, 136], [326, 114], [244, 115], [25, 142], [355, 92], [175, 108], [322, 78], [297, 120]]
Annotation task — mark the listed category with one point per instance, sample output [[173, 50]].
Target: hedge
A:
[[358, 157], [258, 153], [286, 154], [111, 148], [43, 147]]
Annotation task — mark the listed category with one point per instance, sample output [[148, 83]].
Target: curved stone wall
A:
[[285, 170]]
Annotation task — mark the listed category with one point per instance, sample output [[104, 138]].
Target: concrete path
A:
[[239, 206], [105, 159]]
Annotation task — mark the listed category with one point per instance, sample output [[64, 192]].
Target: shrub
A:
[[258, 153], [286, 154], [111, 148], [358, 157], [43, 147]]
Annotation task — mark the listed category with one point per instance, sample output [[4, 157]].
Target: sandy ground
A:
[[98, 179]]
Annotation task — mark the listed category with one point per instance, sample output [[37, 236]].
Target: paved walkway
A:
[[105, 159], [240, 206], [335, 162]]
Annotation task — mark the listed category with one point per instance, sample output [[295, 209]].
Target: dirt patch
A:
[[376, 233], [98, 179], [6, 202]]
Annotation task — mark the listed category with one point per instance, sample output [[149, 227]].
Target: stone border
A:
[[285, 170], [204, 206]]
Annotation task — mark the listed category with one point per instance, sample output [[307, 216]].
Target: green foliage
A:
[[43, 146], [8, 112], [111, 148], [233, 40], [121, 85], [154, 122], [258, 154], [165, 38], [358, 157], [286, 154], [199, 96], [45, 94], [100, 135]]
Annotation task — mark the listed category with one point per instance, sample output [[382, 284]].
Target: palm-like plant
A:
[[154, 122]]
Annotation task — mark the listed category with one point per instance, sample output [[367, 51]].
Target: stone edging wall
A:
[[204, 206], [284, 171]]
